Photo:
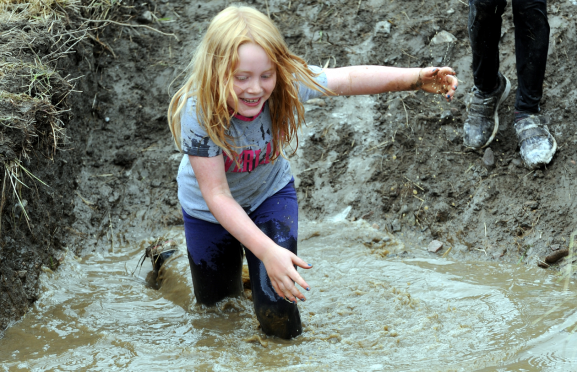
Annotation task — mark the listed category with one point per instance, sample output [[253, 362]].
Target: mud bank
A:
[[36, 158], [396, 160]]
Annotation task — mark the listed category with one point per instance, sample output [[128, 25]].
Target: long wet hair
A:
[[210, 79]]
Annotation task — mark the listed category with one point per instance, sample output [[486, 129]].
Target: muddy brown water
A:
[[409, 310]]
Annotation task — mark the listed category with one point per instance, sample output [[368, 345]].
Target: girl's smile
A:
[[251, 102], [254, 80]]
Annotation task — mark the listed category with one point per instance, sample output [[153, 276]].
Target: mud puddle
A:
[[368, 310]]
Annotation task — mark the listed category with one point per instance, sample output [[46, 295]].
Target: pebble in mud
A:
[[435, 246], [396, 225], [443, 37], [489, 158], [383, 27], [146, 17]]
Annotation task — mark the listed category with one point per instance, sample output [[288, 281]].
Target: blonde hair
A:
[[210, 79]]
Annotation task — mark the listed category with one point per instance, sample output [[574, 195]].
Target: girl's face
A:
[[254, 79]]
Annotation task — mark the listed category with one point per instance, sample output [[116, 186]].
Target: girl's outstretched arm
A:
[[278, 261], [356, 80]]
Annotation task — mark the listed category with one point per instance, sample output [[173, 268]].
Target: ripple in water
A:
[[409, 312]]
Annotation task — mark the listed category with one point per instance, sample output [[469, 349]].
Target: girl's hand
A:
[[438, 80], [279, 266]]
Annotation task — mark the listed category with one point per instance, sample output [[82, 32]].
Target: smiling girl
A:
[[239, 107]]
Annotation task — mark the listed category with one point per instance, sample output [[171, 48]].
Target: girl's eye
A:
[[266, 76], [241, 78]]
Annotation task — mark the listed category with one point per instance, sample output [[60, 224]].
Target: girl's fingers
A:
[[299, 280], [301, 263], [430, 72], [295, 292], [289, 290], [276, 288], [452, 83]]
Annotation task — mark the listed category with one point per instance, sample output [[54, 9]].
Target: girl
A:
[[240, 106]]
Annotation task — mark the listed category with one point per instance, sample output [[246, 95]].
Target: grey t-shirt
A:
[[257, 178]]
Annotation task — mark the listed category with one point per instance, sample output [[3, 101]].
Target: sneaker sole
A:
[[546, 159], [501, 100]]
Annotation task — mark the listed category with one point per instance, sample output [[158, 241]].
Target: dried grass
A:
[[36, 10], [33, 108]]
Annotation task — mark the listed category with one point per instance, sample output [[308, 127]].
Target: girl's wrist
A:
[[417, 85]]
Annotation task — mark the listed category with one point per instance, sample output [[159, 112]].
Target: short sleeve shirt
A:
[[256, 177]]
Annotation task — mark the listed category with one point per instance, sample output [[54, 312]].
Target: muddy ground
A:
[[396, 159]]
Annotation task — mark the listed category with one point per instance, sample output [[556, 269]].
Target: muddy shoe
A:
[[160, 253], [537, 145], [483, 122]]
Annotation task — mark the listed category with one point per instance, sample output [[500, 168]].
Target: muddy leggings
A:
[[215, 258], [531, 45]]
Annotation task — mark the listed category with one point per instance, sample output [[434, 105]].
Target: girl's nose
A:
[[254, 87]]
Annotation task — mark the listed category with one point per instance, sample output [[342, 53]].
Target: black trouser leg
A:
[[213, 281], [276, 316], [277, 217], [484, 35], [531, 44]]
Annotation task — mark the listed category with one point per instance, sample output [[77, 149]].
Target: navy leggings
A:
[[215, 258], [531, 45]]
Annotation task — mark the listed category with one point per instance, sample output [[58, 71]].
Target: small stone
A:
[[375, 226], [517, 162], [22, 274], [435, 246], [532, 204], [155, 183], [107, 119], [489, 158], [451, 11], [555, 247], [396, 225], [556, 256], [443, 37], [146, 17], [383, 28]]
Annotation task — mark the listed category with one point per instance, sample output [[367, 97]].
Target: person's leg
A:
[[277, 217], [215, 258], [491, 87], [484, 35], [531, 46], [537, 145]]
